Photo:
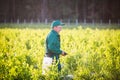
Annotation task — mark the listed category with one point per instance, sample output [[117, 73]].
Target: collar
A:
[[55, 32]]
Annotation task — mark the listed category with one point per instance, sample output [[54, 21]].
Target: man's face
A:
[[58, 28]]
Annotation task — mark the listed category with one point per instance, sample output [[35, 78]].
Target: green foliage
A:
[[93, 54]]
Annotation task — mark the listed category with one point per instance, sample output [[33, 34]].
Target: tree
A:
[[44, 9]]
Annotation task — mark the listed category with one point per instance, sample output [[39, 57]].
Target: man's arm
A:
[[54, 45]]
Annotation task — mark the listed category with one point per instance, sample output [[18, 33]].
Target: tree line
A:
[[59, 9]]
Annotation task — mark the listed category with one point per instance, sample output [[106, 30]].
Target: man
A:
[[53, 50]]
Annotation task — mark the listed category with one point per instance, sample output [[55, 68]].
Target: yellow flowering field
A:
[[93, 54]]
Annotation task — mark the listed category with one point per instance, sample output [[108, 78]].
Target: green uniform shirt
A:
[[53, 44]]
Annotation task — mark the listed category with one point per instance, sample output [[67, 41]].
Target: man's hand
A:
[[64, 53]]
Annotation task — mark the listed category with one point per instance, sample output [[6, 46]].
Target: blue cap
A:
[[57, 23]]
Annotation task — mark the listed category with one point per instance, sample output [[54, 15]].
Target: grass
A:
[[69, 26]]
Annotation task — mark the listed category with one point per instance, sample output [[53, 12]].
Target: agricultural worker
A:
[[53, 50]]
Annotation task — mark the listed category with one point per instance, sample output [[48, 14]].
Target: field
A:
[[93, 53]]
